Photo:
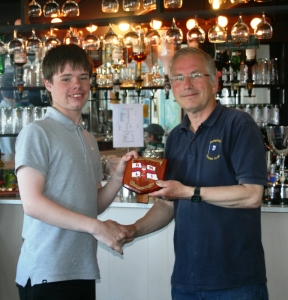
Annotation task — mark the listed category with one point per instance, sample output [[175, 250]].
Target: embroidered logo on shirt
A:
[[214, 150]]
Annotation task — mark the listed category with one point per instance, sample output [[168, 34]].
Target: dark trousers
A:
[[62, 290]]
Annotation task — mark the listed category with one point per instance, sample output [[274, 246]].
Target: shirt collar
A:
[[210, 121], [62, 119]]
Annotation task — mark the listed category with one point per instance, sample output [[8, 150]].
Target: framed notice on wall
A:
[[127, 125]]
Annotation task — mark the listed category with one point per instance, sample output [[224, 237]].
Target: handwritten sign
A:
[[128, 125]]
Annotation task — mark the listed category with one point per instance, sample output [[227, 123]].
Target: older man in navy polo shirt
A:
[[213, 189]]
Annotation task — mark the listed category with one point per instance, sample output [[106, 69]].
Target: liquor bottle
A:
[[13, 45], [117, 56], [219, 58], [127, 55], [2, 167], [20, 59], [235, 62], [92, 45], [250, 60], [2, 57], [139, 52]]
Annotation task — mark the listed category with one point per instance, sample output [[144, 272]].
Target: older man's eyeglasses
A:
[[180, 79]]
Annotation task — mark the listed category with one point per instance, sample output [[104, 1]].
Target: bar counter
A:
[[144, 270], [265, 208]]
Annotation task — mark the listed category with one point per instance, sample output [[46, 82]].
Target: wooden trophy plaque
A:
[[141, 174]]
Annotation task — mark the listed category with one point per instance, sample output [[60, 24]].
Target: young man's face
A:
[[69, 90]]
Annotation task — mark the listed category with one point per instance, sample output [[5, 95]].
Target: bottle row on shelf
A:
[[242, 65], [261, 113]]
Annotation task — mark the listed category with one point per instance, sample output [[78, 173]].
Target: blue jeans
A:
[[248, 292]]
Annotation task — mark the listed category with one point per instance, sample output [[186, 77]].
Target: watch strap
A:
[[196, 196]]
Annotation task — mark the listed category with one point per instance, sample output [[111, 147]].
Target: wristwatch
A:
[[196, 197]]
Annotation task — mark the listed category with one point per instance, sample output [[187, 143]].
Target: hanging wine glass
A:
[[263, 30], [51, 9], [33, 46], [217, 34], [70, 9], [110, 37], [240, 32], [172, 3], [149, 4], [131, 5], [174, 35], [34, 9], [71, 38], [51, 41], [195, 35], [90, 41], [110, 6]]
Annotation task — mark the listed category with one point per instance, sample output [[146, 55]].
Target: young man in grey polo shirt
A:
[[59, 174]]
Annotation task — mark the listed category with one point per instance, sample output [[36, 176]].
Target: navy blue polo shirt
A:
[[217, 247]]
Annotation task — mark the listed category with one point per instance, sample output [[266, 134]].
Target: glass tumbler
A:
[[6, 119], [27, 116], [16, 119]]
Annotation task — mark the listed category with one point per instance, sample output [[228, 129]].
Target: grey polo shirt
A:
[[68, 157]]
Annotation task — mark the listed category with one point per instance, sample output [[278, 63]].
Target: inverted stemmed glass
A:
[[71, 38], [131, 5], [51, 9], [195, 35], [70, 9], [263, 30], [217, 34], [51, 41], [149, 4], [240, 32], [172, 3], [110, 6], [174, 35], [34, 9]]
